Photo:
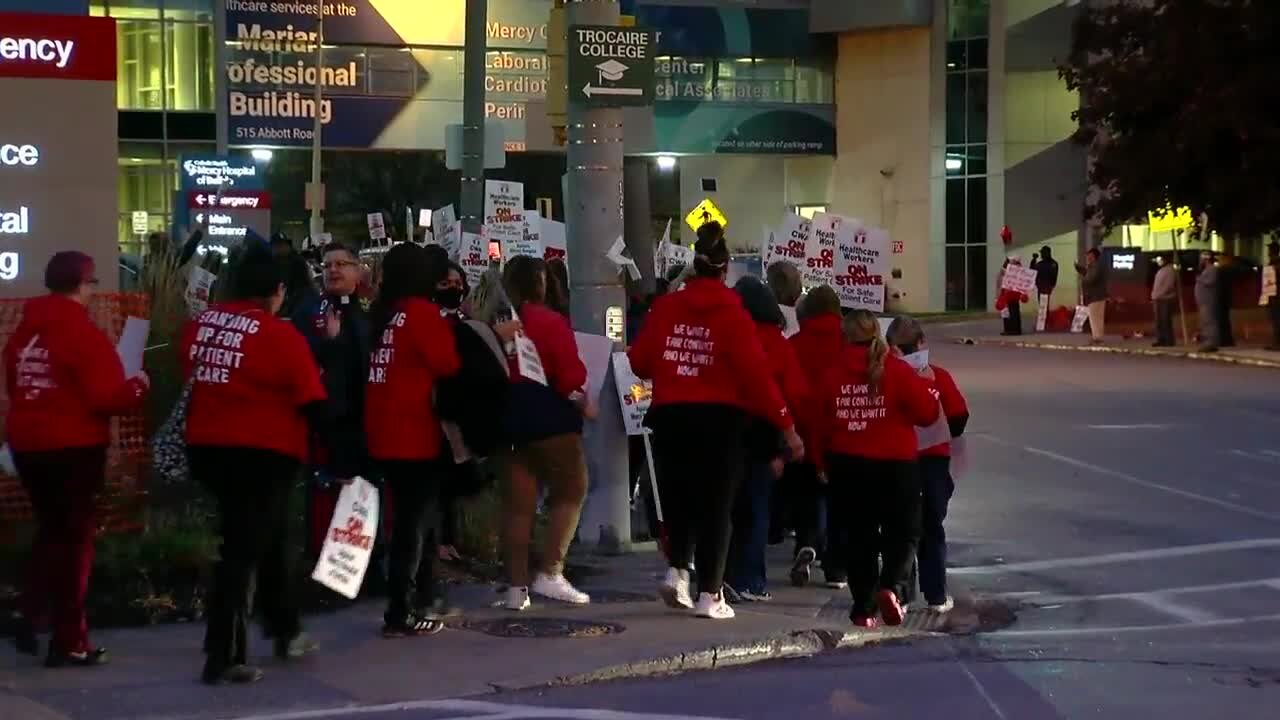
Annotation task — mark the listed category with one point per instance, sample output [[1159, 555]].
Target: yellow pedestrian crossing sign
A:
[[706, 212]]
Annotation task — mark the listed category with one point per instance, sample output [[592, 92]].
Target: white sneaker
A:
[[713, 607], [517, 599], [945, 607], [675, 590], [556, 587]]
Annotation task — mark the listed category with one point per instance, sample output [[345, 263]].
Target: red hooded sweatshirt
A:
[[785, 366], [699, 347], [64, 379], [818, 343], [415, 351], [944, 388], [252, 373], [876, 423]]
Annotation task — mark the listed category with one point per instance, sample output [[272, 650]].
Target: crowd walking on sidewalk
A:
[[771, 409]]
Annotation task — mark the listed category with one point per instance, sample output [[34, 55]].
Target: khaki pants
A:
[[1098, 319], [558, 462]]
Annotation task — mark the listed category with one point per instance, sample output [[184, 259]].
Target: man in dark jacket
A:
[[1093, 288], [1046, 273], [336, 327]]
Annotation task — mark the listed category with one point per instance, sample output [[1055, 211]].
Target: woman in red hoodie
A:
[[710, 376], [871, 404], [907, 336], [414, 350], [65, 381], [820, 340]]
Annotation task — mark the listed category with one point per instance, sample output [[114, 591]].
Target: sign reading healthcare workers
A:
[[58, 146], [862, 263], [610, 66]]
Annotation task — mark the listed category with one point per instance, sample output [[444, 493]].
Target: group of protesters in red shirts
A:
[[837, 410]]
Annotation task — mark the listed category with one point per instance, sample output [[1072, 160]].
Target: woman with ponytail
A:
[[710, 376], [865, 432]]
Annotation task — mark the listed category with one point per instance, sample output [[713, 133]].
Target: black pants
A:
[[803, 492], [935, 476], [1013, 323], [251, 488], [1164, 321], [700, 458], [1274, 310], [880, 502], [415, 497]]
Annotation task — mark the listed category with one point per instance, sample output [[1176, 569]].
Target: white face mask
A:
[[918, 360]]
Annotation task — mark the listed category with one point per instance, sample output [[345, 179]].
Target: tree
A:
[[1178, 105]]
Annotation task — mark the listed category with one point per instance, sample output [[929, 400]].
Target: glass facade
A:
[[745, 80], [966, 155]]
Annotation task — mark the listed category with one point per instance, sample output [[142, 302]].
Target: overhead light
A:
[[955, 163], [666, 163], [262, 155]]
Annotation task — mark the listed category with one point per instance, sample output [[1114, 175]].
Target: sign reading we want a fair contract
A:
[[58, 146]]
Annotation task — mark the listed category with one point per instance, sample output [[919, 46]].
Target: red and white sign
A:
[[57, 47], [234, 200], [862, 263]]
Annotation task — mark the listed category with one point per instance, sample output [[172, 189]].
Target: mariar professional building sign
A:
[[58, 157], [610, 66]]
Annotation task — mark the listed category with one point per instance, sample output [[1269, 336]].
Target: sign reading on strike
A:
[[820, 251], [862, 262], [610, 66], [789, 241]]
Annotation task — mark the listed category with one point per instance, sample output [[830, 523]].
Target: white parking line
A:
[[1243, 509], [1186, 613], [1139, 426], [474, 709], [1119, 557], [1262, 457], [1129, 629], [1039, 599]]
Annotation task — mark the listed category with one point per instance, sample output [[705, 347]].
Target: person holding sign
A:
[[907, 336], [256, 399], [870, 404], [1009, 302], [544, 423], [65, 381], [710, 376], [414, 351]]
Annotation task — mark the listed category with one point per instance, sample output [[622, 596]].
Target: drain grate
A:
[[536, 627]]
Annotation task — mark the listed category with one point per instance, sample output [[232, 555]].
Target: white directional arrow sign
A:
[[200, 200], [588, 90]]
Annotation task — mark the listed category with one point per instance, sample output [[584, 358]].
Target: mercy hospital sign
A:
[[58, 156]]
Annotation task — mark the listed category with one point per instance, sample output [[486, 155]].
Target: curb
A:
[[802, 643], [1218, 357]]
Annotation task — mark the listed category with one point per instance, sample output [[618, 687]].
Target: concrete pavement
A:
[[988, 334]]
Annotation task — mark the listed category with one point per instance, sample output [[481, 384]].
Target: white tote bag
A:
[[349, 541]]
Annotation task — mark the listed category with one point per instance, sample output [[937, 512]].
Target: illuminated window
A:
[[140, 65], [808, 211], [189, 53]]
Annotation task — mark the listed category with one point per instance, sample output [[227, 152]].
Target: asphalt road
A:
[[1132, 505]]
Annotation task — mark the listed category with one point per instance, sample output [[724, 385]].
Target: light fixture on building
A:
[[954, 163], [262, 155], [666, 163]]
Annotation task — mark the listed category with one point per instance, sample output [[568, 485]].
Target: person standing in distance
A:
[[65, 382], [1164, 295], [710, 376], [256, 399], [1093, 286]]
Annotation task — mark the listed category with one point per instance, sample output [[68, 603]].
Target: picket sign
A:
[[1019, 279], [1077, 322], [1268, 284], [634, 394], [1042, 314], [528, 361], [199, 285], [348, 544]]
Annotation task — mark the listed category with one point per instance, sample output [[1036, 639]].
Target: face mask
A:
[[449, 298], [918, 360]]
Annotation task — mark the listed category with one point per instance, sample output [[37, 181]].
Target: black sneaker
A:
[[24, 636], [800, 570], [234, 675], [412, 626], [731, 596], [88, 658]]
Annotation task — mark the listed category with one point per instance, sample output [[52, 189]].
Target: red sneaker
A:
[[890, 609], [862, 621]]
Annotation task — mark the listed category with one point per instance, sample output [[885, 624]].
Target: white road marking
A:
[[1139, 426], [474, 709], [982, 690], [1038, 599], [1186, 613], [1263, 514], [1127, 629], [1264, 457], [1119, 557]]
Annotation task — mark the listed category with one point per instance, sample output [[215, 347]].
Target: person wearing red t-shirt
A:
[[65, 382], [820, 340], [710, 377], [256, 397], [745, 578], [907, 336], [543, 421], [414, 350], [871, 403]]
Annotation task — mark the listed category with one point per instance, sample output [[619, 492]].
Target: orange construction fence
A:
[[129, 456]]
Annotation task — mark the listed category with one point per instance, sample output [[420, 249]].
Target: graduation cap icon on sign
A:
[[611, 70]]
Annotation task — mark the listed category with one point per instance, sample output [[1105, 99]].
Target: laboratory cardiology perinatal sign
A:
[[58, 146], [862, 263]]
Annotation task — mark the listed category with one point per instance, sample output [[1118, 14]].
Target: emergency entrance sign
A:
[[610, 66], [706, 212]]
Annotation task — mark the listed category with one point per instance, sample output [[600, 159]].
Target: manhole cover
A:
[[619, 596], [534, 627]]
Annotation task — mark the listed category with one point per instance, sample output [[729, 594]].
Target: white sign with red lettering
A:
[[789, 243], [473, 256], [348, 544], [528, 361], [862, 264], [1019, 279], [504, 213], [820, 250], [635, 394], [553, 241]]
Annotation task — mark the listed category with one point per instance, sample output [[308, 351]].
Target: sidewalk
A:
[[624, 633], [1254, 356]]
